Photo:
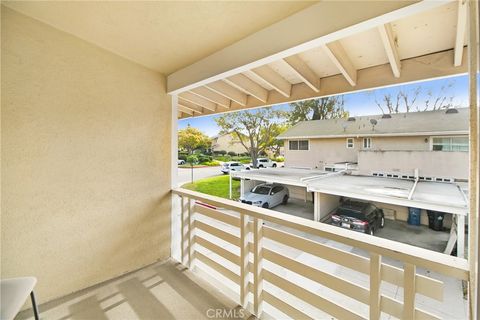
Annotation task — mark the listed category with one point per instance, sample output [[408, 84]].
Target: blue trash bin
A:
[[414, 216]]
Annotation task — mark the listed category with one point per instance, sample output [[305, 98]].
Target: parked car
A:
[[266, 195], [358, 216], [180, 162], [265, 162], [232, 166]]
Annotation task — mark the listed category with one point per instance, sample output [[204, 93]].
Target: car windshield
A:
[[261, 190], [351, 213]]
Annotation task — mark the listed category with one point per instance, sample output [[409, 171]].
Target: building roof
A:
[[289, 176], [437, 122]]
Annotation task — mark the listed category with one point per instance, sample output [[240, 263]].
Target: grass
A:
[[215, 186]]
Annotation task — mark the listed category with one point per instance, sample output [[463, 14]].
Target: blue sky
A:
[[363, 103]]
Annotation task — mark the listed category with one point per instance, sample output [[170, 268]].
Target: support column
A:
[[473, 225], [316, 206], [460, 236], [242, 188]]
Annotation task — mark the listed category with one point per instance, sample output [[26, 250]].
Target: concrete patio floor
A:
[[160, 291]]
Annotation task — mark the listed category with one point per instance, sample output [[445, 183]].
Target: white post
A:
[[316, 206], [176, 223], [242, 188], [375, 283], [460, 236], [230, 186], [257, 267], [409, 290], [244, 261]]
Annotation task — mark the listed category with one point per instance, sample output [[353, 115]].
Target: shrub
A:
[[211, 163], [204, 158], [192, 159], [222, 152], [231, 153], [279, 159]]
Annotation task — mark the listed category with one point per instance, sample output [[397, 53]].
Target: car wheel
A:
[[285, 200], [382, 222], [371, 232], [274, 165], [265, 205], [260, 166], [248, 168]]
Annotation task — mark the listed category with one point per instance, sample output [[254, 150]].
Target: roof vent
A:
[[351, 119], [452, 110], [386, 116]]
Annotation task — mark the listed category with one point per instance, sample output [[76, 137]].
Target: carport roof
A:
[[289, 176], [438, 196]]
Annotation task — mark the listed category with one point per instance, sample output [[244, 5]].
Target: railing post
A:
[[244, 261], [409, 290], [182, 230], [257, 267], [375, 282], [190, 233]]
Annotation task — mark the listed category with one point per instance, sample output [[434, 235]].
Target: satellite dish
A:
[[373, 122]]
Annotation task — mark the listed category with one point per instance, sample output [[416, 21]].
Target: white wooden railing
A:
[[246, 229]]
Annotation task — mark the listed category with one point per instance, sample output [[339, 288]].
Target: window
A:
[[450, 144], [298, 145], [367, 143], [350, 144], [277, 189]]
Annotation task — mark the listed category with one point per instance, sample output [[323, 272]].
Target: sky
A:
[[363, 103]]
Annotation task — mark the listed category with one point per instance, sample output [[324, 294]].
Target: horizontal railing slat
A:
[[224, 253], [217, 215], [217, 267], [284, 307], [434, 261], [344, 258], [228, 237], [342, 286]]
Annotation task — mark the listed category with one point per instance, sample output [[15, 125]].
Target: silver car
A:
[[266, 195], [232, 166]]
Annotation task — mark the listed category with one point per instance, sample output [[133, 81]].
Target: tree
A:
[[191, 139], [192, 160], [407, 100], [254, 130], [274, 144], [317, 109]]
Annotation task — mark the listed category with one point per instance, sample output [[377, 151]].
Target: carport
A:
[[428, 195], [295, 179]]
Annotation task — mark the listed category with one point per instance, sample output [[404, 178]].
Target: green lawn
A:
[[215, 186]]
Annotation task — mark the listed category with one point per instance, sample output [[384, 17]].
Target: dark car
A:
[[358, 216]]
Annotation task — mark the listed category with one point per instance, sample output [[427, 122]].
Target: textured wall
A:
[[85, 160]]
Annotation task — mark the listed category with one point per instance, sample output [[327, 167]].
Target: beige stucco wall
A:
[[85, 160], [442, 164], [430, 163]]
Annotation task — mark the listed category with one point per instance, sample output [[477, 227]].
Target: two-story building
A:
[[393, 145]]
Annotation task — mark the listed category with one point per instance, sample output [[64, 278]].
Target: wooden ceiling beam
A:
[[228, 91], [212, 96], [339, 57], [185, 110], [304, 72], [199, 101], [460, 36], [275, 80], [190, 106], [386, 34], [244, 83]]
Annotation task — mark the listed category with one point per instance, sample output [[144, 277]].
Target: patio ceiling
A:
[[413, 43]]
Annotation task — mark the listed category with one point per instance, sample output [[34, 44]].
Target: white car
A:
[[180, 162], [232, 166], [265, 163], [267, 195]]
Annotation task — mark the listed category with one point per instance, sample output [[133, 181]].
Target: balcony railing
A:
[[225, 235]]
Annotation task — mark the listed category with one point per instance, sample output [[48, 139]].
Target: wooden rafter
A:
[[244, 83], [190, 106], [461, 28], [339, 57], [185, 110], [304, 72], [211, 96], [228, 91], [199, 101], [386, 34], [275, 80]]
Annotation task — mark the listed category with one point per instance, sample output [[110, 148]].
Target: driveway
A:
[[185, 174]]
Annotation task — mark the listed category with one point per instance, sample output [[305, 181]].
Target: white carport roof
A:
[[439, 196], [289, 176]]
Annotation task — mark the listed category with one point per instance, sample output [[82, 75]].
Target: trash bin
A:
[[414, 216], [435, 220]]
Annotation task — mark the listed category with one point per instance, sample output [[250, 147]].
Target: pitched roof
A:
[[436, 122]]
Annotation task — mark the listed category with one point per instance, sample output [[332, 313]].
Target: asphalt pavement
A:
[[185, 174]]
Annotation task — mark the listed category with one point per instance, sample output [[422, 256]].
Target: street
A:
[[184, 174]]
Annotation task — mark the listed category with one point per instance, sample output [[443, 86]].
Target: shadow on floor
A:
[[160, 291]]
